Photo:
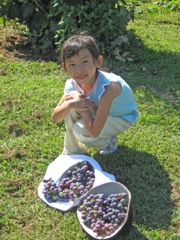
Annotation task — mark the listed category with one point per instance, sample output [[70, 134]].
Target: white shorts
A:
[[77, 138]]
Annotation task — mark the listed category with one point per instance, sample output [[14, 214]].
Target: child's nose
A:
[[79, 68]]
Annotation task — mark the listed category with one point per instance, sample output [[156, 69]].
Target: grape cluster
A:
[[103, 214], [74, 183]]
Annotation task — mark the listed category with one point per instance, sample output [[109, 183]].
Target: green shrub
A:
[[4, 4], [50, 22]]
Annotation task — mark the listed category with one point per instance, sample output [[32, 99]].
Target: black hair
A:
[[74, 44]]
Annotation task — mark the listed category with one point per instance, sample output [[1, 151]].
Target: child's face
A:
[[82, 67]]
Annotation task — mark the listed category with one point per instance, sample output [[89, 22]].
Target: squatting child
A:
[[97, 105]]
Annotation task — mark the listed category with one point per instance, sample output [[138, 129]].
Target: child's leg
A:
[[71, 144], [112, 127]]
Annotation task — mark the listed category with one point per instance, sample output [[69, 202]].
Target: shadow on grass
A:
[[155, 69], [26, 52], [148, 183]]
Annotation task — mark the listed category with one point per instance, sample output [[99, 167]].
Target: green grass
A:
[[147, 160]]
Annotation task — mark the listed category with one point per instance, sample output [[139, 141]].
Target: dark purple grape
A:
[[88, 219], [123, 201], [116, 225], [105, 217], [69, 173], [116, 211], [117, 221], [83, 216], [112, 229], [108, 233], [45, 192], [92, 225], [113, 205], [100, 212], [96, 207], [113, 217], [121, 215], [109, 214], [124, 195], [120, 206], [95, 229]]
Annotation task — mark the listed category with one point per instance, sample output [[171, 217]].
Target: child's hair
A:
[[74, 44]]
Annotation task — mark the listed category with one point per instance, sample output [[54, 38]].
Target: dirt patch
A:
[[9, 154], [13, 47]]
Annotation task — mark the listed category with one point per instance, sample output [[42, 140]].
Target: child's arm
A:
[[95, 125], [72, 100]]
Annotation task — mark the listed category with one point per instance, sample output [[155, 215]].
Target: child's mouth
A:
[[81, 77]]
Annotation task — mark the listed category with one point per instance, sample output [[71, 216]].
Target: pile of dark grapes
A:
[[103, 214], [75, 182]]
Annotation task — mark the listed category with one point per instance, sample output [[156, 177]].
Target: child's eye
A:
[[71, 65], [85, 61]]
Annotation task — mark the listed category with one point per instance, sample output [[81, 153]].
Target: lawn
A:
[[147, 159]]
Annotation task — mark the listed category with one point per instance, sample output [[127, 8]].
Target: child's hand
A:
[[71, 100], [78, 100]]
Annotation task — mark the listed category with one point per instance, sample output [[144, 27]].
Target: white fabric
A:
[[60, 165]]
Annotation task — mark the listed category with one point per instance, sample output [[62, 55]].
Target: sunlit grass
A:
[[147, 159]]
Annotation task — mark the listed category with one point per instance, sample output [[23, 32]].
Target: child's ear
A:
[[99, 61], [63, 66]]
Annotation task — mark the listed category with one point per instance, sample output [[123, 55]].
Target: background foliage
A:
[[50, 22]]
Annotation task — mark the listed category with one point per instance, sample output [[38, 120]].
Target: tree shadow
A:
[[148, 183], [147, 70], [18, 47]]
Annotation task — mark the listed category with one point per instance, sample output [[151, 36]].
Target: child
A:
[[96, 106]]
